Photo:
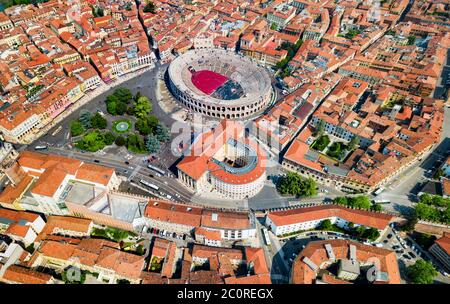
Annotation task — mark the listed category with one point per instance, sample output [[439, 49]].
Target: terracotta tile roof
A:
[[124, 264], [225, 220], [253, 279], [301, 273], [11, 192], [65, 223], [444, 242], [96, 252], [173, 213], [361, 217], [213, 235], [22, 275], [17, 230], [17, 216], [56, 168], [49, 182], [95, 173]]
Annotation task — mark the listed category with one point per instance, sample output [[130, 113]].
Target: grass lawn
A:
[[121, 126], [337, 150], [321, 143]]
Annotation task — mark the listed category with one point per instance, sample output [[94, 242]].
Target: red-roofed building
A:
[[52, 180], [312, 263], [20, 225], [299, 219], [441, 250], [210, 227], [223, 160]]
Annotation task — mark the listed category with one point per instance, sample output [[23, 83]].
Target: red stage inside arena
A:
[[208, 81]]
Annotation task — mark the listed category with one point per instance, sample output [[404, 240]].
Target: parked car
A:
[[412, 255], [406, 256]]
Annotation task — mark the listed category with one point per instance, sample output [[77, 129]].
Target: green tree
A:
[[371, 234], [411, 222], [142, 107], [376, 207], [411, 40], [360, 201], [85, 118], [326, 225], [162, 132], [120, 141], [426, 198], [147, 125], [111, 104], [320, 128], [296, 185], [76, 128], [152, 144], [98, 121], [109, 138], [341, 200], [354, 142], [123, 95], [121, 108], [360, 231], [137, 96], [426, 212], [422, 272], [92, 142], [136, 144], [149, 7]]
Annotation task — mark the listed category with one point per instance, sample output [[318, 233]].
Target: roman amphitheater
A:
[[220, 84]]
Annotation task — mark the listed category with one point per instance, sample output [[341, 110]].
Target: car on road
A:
[[127, 162], [385, 241], [96, 161], [389, 235]]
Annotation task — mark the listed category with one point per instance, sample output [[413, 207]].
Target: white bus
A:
[[157, 169], [266, 236], [382, 201], [378, 191], [40, 148], [144, 182]]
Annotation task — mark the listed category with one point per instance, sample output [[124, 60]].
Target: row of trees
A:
[[296, 185], [432, 213], [360, 202], [434, 200]]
